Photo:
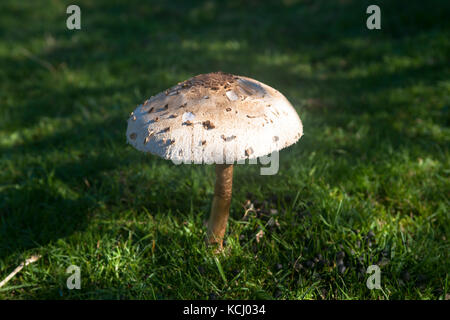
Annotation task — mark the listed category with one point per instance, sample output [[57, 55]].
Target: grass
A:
[[367, 184]]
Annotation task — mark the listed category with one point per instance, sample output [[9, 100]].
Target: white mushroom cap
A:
[[214, 118]]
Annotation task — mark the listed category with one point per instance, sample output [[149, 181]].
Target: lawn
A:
[[367, 184]]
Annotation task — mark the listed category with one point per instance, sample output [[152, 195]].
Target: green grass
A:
[[370, 177]]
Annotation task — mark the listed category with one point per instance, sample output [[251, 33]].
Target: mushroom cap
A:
[[214, 118]]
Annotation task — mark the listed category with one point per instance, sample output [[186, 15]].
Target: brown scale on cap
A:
[[228, 138], [212, 81], [208, 125]]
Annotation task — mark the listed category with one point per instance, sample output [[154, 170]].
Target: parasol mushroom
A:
[[215, 118]]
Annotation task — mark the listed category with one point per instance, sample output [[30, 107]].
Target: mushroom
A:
[[207, 132]]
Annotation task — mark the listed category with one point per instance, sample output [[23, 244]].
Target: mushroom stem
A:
[[220, 209]]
